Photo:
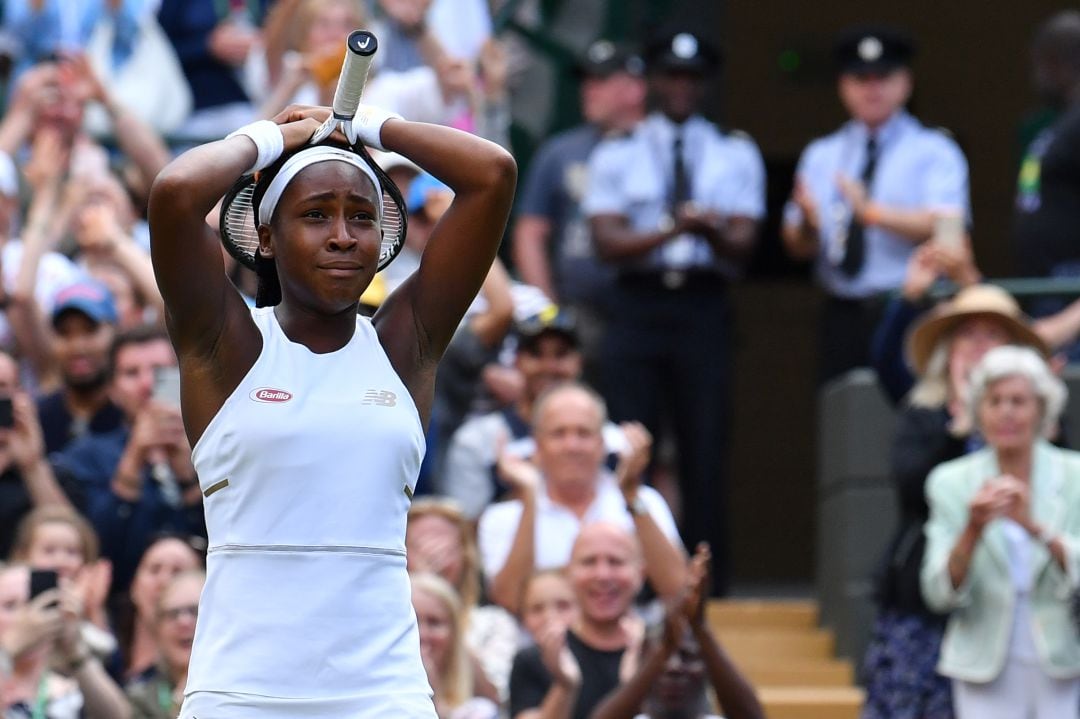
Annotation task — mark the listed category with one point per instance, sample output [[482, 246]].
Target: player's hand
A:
[[299, 123]]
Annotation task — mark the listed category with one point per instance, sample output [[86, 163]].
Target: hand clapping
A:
[[1004, 496]]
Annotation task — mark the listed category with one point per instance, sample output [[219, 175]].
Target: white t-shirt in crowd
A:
[[557, 527]]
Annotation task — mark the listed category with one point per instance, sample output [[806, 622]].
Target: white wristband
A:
[[368, 122], [269, 141]]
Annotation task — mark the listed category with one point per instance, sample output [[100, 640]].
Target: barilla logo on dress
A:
[[269, 394]]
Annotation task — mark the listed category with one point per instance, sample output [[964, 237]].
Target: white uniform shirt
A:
[[918, 168], [632, 176], [557, 527]]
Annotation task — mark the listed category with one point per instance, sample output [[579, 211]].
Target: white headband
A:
[[304, 158]]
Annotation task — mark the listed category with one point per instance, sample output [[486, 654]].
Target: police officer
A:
[[552, 246], [675, 207], [869, 193]]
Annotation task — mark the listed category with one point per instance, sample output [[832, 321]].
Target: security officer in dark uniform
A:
[[675, 207]]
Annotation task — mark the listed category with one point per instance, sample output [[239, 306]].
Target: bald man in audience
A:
[[572, 668], [567, 486]]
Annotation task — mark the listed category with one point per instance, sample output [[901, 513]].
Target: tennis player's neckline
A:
[[301, 345]]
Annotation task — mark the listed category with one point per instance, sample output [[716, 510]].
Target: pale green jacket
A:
[[980, 624]]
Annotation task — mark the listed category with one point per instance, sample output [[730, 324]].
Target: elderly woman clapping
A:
[[1003, 548]]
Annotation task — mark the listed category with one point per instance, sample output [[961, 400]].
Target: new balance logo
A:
[[380, 397], [269, 394]]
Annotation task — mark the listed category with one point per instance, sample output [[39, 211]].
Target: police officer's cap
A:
[[682, 50], [869, 49], [604, 58]]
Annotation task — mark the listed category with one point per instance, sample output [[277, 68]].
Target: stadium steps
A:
[[788, 657]]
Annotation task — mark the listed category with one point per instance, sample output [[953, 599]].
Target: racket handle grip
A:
[[354, 71]]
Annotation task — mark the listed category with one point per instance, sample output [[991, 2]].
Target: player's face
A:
[[326, 236], [872, 98]]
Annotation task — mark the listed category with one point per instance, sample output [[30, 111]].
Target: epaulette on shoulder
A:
[[737, 134], [944, 131]]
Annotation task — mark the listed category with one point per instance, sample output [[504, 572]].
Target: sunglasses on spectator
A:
[[174, 614]]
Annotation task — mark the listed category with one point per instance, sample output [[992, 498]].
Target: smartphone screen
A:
[[42, 580], [167, 385], [949, 230]]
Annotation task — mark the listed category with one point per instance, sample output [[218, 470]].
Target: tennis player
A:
[[307, 420]]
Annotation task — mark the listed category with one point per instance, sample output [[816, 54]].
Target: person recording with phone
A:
[[46, 668], [866, 195], [27, 479], [138, 479]]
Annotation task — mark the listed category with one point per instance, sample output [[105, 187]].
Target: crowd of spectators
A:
[[550, 578]]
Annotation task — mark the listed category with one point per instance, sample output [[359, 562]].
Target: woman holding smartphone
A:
[[307, 420]]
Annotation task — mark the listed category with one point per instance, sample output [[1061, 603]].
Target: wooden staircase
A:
[[789, 659]]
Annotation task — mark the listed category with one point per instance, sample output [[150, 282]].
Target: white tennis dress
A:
[[307, 472]]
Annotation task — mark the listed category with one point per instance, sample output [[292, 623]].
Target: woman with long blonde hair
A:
[[441, 540], [451, 671]]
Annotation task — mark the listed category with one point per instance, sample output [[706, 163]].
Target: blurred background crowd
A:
[[624, 423]]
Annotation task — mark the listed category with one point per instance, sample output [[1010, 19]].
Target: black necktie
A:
[[855, 248], [680, 188]]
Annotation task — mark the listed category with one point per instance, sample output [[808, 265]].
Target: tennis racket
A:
[[238, 226]]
